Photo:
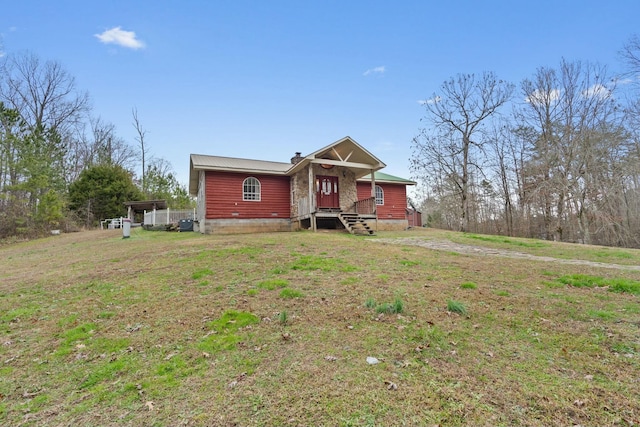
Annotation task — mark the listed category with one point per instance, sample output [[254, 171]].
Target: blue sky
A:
[[264, 79]]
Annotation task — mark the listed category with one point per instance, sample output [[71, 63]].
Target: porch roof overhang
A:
[[146, 205], [345, 153]]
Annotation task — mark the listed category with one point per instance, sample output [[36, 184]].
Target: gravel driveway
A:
[[445, 245]]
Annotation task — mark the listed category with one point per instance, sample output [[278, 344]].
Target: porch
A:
[[360, 218]]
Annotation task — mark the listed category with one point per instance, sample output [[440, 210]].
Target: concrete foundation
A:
[[239, 226]]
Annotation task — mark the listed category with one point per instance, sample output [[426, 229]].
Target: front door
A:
[[327, 192]]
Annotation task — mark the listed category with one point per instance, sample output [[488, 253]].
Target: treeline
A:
[[61, 167], [556, 157]]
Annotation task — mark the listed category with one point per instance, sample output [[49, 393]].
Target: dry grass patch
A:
[[97, 330]]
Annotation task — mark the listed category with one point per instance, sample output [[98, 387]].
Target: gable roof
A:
[[385, 178], [344, 152]]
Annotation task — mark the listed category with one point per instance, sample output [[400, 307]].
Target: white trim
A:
[[255, 191], [381, 198]]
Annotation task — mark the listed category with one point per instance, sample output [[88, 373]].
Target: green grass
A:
[[456, 307], [83, 343], [395, 307], [601, 314], [370, 303], [323, 263], [232, 320], [546, 248], [283, 317], [272, 284], [291, 293], [349, 281], [22, 313], [620, 285], [199, 274], [107, 370], [225, 332], [527, 243]]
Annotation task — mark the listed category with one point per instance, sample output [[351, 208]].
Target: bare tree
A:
[[49, 107], [503, 147], [631, 54], [458, 114], [574, 114], [97, 143], [43, 92], [141, 143]]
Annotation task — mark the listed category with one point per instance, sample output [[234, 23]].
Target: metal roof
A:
[[387, 179], [200, 161]]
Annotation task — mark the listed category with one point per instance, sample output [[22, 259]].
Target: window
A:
[[251, 189], [379, 195]]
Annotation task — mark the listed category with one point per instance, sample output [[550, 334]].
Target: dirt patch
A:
[[445, 245]]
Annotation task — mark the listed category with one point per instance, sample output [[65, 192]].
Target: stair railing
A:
[[366, 206]]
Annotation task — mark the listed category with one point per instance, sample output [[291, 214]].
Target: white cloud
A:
[[623, 81], [118, 36], [541, 97], [376, 70], [385, 146], [597, 91], [433, 100]]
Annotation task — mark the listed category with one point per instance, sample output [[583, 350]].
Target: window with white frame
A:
[[251, 189], [379, 195]]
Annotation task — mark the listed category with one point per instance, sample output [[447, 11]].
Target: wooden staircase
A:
[[355, 224]]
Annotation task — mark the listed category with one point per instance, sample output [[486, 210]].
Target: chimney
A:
[[297, 158]]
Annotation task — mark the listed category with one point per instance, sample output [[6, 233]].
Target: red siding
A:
[[414, 218], [395, 199], [224, 197]]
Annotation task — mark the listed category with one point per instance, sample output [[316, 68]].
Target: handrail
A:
[[365, 206]]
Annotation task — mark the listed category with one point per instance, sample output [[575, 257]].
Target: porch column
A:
[[312, 215], [373, 194], [373, 184]]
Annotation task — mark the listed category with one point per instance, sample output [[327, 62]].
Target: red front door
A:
[[327, 192]]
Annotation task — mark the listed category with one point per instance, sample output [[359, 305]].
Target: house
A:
[[338, 186]]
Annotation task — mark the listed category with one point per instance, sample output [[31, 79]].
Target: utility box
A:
[[126, 228], [185, 225]]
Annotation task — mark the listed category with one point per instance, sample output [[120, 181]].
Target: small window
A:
[[251, 189], [379, 195]]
